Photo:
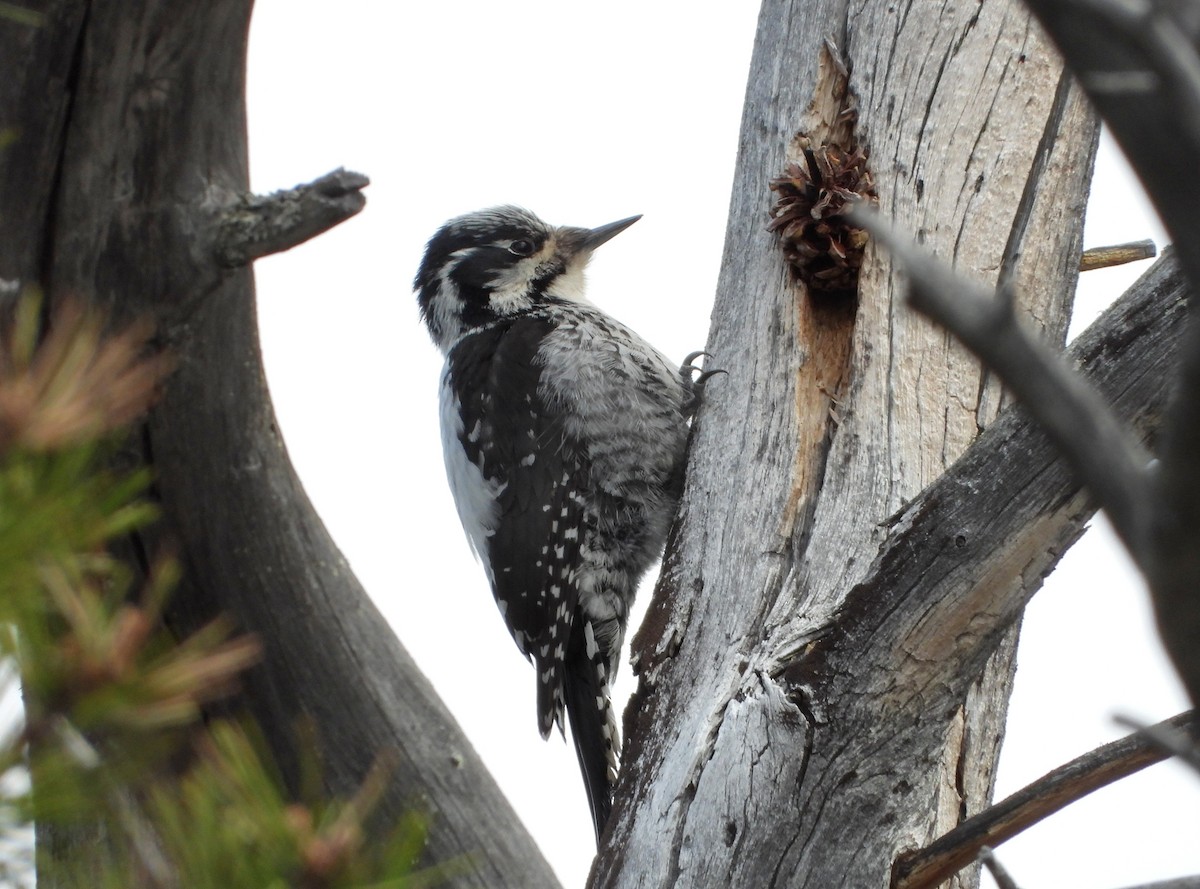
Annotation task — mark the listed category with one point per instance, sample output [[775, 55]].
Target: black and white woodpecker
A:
[[564, 435]]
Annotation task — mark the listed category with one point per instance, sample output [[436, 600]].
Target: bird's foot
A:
[[696, 384]]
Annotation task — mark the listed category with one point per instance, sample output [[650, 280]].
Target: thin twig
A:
[[259, 225], [1117, 254], [953, 851], [1173, 741], [1103, 453], [1002, 877]]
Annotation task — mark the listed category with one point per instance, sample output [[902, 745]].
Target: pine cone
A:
[[823, 248]]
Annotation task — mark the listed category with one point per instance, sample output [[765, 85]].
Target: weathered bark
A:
[[755, 759], [128, 164]]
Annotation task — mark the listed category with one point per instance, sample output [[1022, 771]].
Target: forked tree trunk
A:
[[795, 725]]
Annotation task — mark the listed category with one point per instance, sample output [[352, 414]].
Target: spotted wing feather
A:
[[532, 536]]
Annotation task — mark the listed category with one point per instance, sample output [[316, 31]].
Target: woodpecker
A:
[[564, 435]]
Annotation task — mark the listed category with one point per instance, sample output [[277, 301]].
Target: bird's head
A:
[[487, 265]]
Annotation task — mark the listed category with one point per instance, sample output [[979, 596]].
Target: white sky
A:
[[585, 118]]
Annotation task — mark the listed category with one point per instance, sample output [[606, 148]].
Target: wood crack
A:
[[1041, 160]]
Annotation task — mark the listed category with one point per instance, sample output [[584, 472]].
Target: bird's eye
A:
[[521, 247]]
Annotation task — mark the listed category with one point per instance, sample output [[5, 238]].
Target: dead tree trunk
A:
[[825, 672]]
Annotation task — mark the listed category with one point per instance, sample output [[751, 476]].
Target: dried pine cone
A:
[[822, 247]]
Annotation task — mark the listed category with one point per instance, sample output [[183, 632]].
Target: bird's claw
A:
[[707, 375], [696, 385], [688, 368]]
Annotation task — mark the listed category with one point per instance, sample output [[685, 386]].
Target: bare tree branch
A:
[[1116, 254], [1141, 70], [1051, 793], [259, 225], [1079, 422], [1155, 508], [1002, 877], [1140, 64], [1174, 741], [965, 556], [1174, 567]]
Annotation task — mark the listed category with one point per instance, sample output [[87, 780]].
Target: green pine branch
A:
[[112, 734]]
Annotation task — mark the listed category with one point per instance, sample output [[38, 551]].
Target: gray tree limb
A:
[[1106, 456], [131, 119], [1051, 793], [1140, 64], [254, 226], [1002, 877], [1175, 741], [963, 558]]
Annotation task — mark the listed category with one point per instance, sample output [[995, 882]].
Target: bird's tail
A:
[[593, 726]]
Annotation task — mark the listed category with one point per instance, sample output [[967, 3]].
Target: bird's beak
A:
[[593, 238]]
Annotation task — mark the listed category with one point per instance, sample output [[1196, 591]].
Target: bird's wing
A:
[[535, 473]]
